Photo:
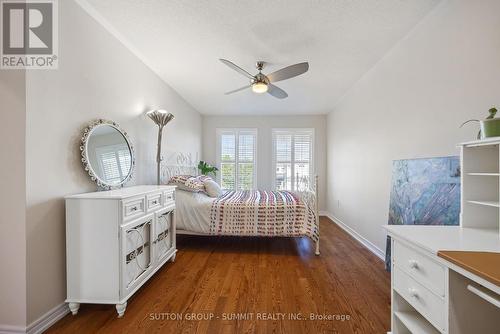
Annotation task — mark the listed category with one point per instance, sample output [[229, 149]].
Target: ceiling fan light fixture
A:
[[259, 87], [262, 83]]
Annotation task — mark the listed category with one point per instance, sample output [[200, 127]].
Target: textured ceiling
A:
[[183, 39]]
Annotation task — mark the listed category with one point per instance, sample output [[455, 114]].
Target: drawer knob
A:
[[413, 264], [155, 202], [413, 292], [134, 208]]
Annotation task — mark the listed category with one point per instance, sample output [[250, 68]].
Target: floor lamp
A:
[[161, 118]]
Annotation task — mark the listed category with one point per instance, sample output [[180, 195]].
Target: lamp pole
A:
[[161, 118]]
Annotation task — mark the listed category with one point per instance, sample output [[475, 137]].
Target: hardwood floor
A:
[[254, 278]]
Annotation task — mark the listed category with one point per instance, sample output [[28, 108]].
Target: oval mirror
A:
[[107, 154]]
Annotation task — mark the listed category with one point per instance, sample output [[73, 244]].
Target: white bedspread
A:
[[192, 211], [249, 213]]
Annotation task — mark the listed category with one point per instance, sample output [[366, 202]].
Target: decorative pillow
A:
[[212, 188], [204, 178], [187, 183]]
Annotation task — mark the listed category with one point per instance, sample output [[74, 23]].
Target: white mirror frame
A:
[[101, 184]]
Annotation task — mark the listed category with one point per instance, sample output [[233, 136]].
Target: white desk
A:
[[430, 294]]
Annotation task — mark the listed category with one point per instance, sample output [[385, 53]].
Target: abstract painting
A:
[[424, 192]]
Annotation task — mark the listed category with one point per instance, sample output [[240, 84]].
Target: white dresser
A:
[[115, 241]]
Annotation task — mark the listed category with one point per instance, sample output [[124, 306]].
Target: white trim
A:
[[41, 324], [365, 242], [8, 329], [48, 319]]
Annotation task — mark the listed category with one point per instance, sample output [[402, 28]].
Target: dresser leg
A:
[[317, 248], [120, 308], [74, 307], [172, 259]]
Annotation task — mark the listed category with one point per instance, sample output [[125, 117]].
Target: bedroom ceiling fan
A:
[[261, 83]]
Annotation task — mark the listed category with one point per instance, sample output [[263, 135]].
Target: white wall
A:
[[410, 105], [12, 200], [264, 125], [97, 78]]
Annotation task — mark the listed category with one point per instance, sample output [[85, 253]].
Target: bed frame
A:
[[182, 164]]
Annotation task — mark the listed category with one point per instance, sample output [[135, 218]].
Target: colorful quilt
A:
[[263, 213]]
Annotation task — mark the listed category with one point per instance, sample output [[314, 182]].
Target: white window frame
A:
[[236, 132], [294, 132]]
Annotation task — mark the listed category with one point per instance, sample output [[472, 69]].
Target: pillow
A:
[[203, 178], [212, 188], [187, 183]]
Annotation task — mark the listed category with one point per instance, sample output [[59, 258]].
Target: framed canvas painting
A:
[[424, 192]]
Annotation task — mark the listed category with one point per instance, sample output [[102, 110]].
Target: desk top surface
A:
[[473, 250], [450, 238], [483, 264]]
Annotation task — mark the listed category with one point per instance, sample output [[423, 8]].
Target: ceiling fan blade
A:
[[276, 91], [288, 72], [236, 68], [237, 90]]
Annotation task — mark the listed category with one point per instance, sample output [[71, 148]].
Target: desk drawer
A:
[[422, 299], [422, 268]]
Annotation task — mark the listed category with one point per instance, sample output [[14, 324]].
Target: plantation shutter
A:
[[228, 160], [237, 158], [114, 162], [283, 150], [293, 158]]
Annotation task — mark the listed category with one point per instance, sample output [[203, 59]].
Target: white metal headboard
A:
[[178, 163]]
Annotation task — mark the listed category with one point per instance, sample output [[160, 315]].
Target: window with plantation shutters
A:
[[236, 152], [293, 158]]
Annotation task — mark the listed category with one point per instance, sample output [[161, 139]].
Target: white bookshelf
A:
[[415, 323], [480, 206]]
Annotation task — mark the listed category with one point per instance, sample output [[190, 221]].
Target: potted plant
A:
[[490, 127], [206, 169]]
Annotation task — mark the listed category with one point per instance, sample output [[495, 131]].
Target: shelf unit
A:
[[415, 323], [407, 320], [480, 206]]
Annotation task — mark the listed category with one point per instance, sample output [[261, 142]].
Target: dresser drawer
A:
[[133, 208], [168, 198], [422, 299], [154, 201], [425, 270]]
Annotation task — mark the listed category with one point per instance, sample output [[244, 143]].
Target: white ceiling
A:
[[182, 41]]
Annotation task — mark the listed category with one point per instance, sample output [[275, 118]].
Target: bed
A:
[[261, 213]]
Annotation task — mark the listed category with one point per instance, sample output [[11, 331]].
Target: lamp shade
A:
[[160, 117], [259, 87]]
